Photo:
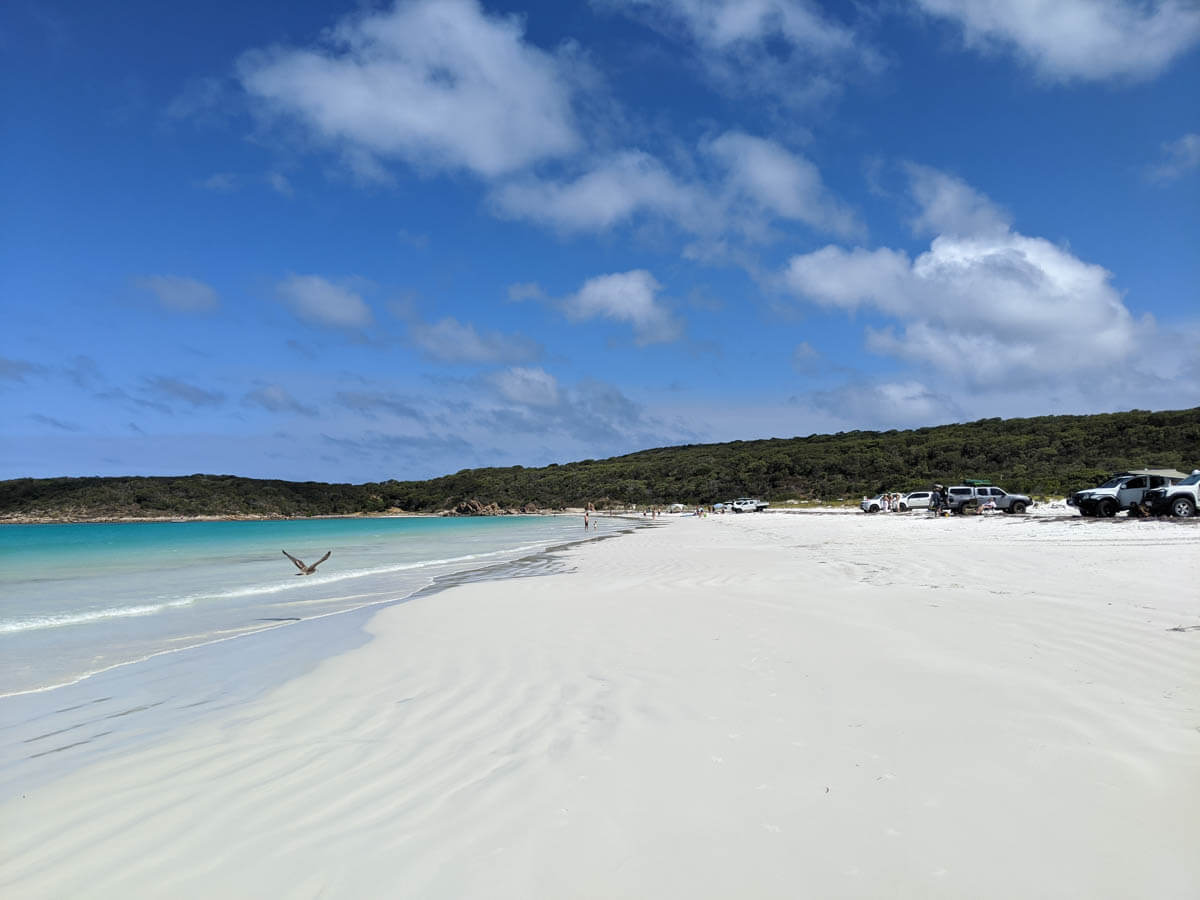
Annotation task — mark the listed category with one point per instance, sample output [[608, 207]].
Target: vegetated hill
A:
[[1048, 455]]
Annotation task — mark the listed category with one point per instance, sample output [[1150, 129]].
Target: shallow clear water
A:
[[80, 599]]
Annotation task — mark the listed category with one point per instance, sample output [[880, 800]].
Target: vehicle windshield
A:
[[1115, 482], [1194, 478]]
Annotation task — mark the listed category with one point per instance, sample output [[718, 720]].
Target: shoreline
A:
[[394, 514], [877, 706]]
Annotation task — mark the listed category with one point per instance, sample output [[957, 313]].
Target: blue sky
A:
[[344, 242]]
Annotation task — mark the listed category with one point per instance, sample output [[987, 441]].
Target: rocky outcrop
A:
[[474, 507]]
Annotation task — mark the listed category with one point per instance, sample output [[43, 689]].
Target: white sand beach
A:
[[754, 706]]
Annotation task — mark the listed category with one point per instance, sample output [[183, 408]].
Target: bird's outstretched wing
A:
[[321, 560], [299, 563]]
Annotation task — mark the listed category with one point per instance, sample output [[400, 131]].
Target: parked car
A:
[[876, 503], [917, 500], [745, 504], [1120, 492], [962, 497], [1182, 499]]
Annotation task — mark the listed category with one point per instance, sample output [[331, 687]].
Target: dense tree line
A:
[[1045, 456]]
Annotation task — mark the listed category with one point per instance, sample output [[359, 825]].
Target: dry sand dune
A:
[[752, 706]]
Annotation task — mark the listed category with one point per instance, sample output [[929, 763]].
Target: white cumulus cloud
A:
[[988, 306], [626, 297], [437, 83], [948, 205], [314, 299], [775, 181], [1079, 39]]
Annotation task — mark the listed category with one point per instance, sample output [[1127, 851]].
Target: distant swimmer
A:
[[307, 570]]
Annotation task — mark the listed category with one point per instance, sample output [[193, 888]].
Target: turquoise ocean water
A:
[[77, 600]]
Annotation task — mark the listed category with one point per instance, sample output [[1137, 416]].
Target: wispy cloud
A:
[[274, 398], [1179, 158], [527, 387], [449, 340], [180, 294], [806, 359], [220, 182], [18, 369], [204, 99], [279, 184], [120, 395], [317, 300], [83, 372], [371, 403], [404, 451], [789, 51], [526, 290], [1068, 40], [174, 389], [54, 423], [887, 404], [610, 192], [735, 184], [413, 239]]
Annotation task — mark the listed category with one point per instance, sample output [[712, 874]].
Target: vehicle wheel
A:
[[903, 507], [1183, 507], [1017, 508], [873, 509], [1107, 509]]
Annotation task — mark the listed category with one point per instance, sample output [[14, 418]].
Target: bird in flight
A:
[[307, 570]]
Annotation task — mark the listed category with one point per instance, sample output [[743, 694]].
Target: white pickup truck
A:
[[745, 504]]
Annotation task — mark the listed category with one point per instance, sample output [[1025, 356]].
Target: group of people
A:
[[890, 502]]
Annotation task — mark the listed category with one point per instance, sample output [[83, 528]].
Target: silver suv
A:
[[963, 497], [1118, 493], [1180, 500]]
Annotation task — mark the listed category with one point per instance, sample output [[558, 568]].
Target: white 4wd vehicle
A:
[[1181, 500], [745, 504], [1118, 493]]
